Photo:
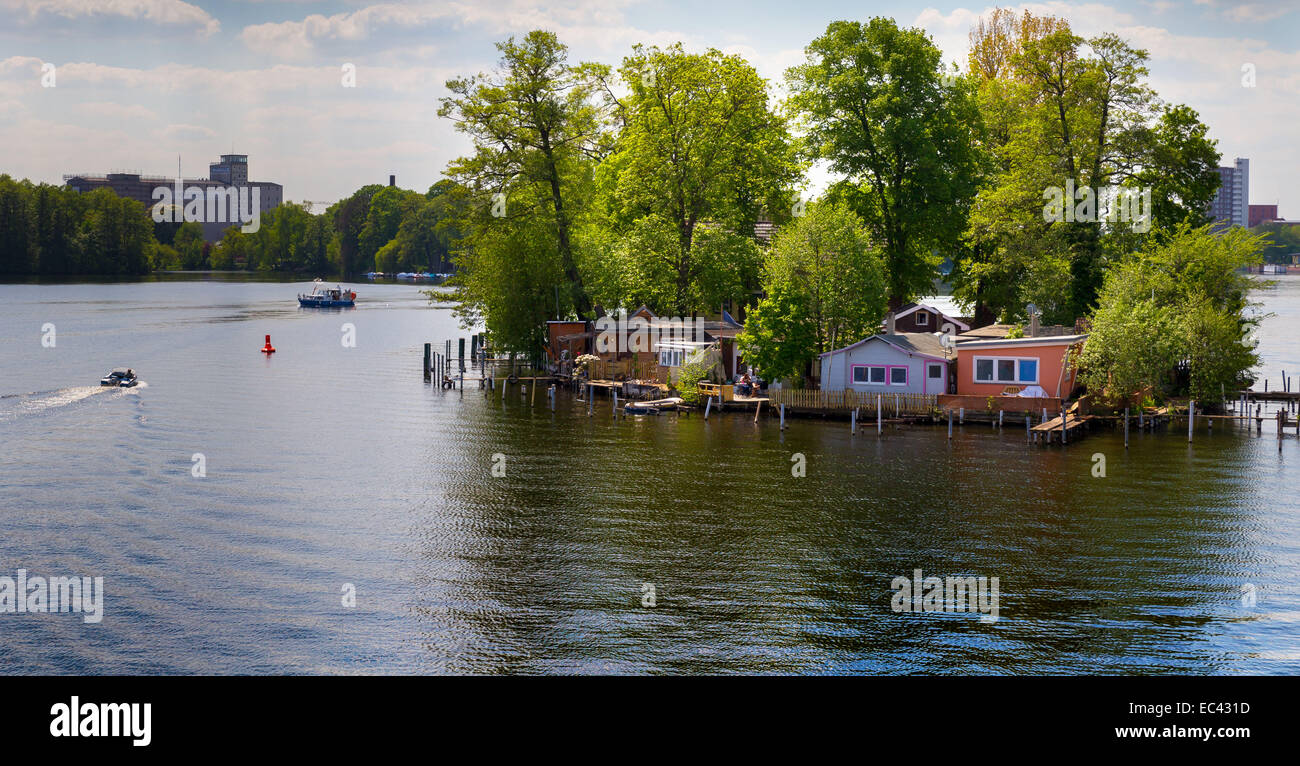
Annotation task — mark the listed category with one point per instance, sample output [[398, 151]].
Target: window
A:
[[868, 375], [1006, 370], [922, 318], [671, 357], [898, 376], [936, 371]]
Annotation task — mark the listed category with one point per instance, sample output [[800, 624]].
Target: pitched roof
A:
[[923, 343]]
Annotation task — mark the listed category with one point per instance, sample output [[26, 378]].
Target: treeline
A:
[[55, 230], [377, 228], [596, 188]]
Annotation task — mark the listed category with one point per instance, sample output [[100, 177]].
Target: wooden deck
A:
[[1074, 423]]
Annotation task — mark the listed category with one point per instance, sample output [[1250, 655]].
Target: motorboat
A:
[[327, 297], [121, 377]]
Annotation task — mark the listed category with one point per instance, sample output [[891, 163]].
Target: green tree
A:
[[826, 287], [877, 106], [533, 124], [700, 158], [1181, 301]]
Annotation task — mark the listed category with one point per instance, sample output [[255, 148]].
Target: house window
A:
[[1006, 370], [898, 376], [671, 357], [922, 318], [936, 372], [868, 375]]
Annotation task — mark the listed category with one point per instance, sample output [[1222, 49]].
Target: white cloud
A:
[[163, 12]]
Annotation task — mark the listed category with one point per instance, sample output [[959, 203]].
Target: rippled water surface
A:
[[329, 466]]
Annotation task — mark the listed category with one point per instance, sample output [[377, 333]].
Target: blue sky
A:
[[138, 82]]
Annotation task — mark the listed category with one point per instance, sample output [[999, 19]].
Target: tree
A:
[[533, 126], [17, 228], [877, 106], [700, 158], [1181, 301], [826, 287]]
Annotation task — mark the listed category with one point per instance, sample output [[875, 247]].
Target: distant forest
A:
[[53, 230]]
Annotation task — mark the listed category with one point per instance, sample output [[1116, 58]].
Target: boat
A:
[[654, 407], [327, 297], [121, 377]]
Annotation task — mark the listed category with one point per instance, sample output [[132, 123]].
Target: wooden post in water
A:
[[782, 416], [1044, 414], [551, 393], [999, 419], [1028, 434], [1062, 424], [591, 399], [1126, 428], [708, 406], [1191, 418], [853, 421], [1141, 414], [757, 410], [427, 360], [879, 415], [949, 425], [961, 416], [614, 391]]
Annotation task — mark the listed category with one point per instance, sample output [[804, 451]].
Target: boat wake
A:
[[22, 405]]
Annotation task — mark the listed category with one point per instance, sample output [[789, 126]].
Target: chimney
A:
[[889, 323], [392, 180], [1033, 324]]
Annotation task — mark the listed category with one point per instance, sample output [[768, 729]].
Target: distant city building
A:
[[1231, 205], [231, 171], [1262, 214]]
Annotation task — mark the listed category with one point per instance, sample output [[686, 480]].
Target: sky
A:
[[137, 83]]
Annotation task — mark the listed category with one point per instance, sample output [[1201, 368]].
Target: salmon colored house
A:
[[1010, 366]]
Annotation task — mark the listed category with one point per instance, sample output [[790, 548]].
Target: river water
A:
[[333, 469]]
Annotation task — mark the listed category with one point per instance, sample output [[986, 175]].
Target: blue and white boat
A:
[[327, 297]]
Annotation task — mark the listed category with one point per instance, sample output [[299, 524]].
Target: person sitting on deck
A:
[[742, 385]]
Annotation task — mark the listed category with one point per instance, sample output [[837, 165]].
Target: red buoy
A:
[[268, 348]]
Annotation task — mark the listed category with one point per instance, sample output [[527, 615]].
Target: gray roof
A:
[[909, 342]]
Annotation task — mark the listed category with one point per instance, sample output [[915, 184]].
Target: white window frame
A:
[[672, 354], [1017, 381], [922, 318]]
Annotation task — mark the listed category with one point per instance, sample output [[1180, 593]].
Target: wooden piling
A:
[[782, 416], [961, 416], [853, 421], [757, 410], [1191, 418], [949, 425], [1029, 434], [879, 415], [1063, 429], [1126, 428], [708, 406], [428, 347]]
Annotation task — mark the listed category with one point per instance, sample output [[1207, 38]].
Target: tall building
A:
[[1231, 205], [231, 171]]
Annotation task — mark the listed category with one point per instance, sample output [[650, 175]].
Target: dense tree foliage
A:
[[876, 104], [825, 287], [1172, 318]]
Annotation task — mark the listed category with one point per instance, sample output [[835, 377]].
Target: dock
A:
[[1063, 432]]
